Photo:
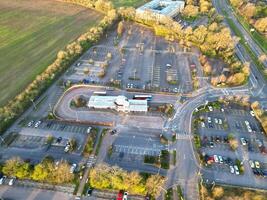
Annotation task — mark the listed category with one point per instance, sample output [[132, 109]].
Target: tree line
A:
[[254, 12], [47, 171], [114, 178], [15, 107], [195, 7], [260, 114]]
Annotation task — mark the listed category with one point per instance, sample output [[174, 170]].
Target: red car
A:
[[120, 195]]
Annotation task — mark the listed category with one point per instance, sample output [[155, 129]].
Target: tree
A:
[[190, 11], [217, 192], [237, 3], [154, 184], [249, 10], [261, 24], [61, 174], [120, 28], [11, 166]]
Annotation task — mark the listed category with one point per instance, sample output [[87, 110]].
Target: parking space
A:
[[136, 61], [58, 126], [26, 141], [130, 146], [232, 142]]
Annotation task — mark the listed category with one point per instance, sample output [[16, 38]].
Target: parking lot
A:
[[233, 146], [136, 61], [36, 134], [131, 145]]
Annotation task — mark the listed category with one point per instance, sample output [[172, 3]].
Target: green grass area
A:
[[243, 41], [222, 192], [128, 3], [260, 39], [103, 133], [31, 34], [165, 159], [89, 147]]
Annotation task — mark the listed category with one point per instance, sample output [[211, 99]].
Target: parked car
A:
[[216, 159], [67, 148], [243, 141], [89, 192], [209, 120], [220, 121], [210, 108], [257, 164], [252, 113], [113, 132], [220, 159], [59, 139], [37, 124], [11, 181], [89, 129], [30, 123], [216, 121], [222, 109], [2, 180], [120, 195], [236, 170], [73, 168], [211, 144], [251, 163], [232, 170], [202, 124], [125, 195]]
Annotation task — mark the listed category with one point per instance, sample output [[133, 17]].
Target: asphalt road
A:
[[224, 5], [21, 193]]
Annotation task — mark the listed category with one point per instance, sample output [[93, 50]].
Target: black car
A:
[[59, 139], [113, 132], [89, 192]]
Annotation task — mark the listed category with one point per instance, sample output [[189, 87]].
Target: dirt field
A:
[[31, 33]]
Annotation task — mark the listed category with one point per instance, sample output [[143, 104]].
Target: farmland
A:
[[127, 3], [31, 33]]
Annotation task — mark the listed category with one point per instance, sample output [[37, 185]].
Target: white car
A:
[[73, 167], [236, 170], [37, 124], [11, 182], [30, 123], [89, 129], [2, 180], [252, 113], [220, 159], [67, 148], [125, 195], [220, 121], [216, 159], [232, 170], [246, 122], [210, 108], [209, 120], [202, 124], [251, 163], [249, 129], [216, 121], [257, 164], [243, 141], [222, 109]]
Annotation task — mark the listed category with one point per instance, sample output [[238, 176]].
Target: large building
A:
[[118, 103], [167, 8]]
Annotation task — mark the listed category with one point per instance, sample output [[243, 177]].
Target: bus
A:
[[143, 97], [100, 93]]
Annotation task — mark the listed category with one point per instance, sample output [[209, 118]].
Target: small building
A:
[[167, 8], [118, 103]]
